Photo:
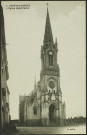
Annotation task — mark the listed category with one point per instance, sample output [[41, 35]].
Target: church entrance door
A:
[[52, 113]]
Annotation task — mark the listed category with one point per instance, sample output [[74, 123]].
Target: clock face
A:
[[50, 53], [51, 84]]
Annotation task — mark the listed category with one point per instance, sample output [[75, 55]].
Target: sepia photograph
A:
[[43, 67]]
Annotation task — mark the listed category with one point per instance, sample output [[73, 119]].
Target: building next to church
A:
[[5, 109], [44, 106]]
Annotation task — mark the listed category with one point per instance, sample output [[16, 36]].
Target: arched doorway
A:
[[52, 113]]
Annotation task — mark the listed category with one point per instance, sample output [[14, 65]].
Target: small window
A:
[[50, 58], [2, 70], [35, 110]]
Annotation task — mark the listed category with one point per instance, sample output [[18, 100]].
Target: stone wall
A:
[[30, 112], [34, 122]]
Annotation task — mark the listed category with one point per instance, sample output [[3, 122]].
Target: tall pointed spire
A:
[[48, 37]]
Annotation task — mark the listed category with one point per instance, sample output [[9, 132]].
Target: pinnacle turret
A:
[[35, 83]]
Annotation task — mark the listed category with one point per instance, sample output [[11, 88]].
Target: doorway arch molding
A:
[[54, 103]]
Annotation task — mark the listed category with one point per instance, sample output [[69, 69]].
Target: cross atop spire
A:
[[48, 37], [47, 5]]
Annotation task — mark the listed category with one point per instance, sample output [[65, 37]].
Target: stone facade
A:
[[43, 106], [5, 114]]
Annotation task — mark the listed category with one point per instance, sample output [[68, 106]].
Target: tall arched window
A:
[[50, 58], [35, 110]]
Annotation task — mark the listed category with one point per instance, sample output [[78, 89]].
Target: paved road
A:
[[51, 130]]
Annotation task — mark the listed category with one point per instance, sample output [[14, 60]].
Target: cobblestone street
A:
[[51, 130]]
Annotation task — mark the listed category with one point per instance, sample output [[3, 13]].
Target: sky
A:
[[24, 30]]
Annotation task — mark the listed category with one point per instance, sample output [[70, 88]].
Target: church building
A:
[[44, 106]]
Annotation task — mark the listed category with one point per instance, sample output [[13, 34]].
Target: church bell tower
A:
[[49, 51], [51, 95]]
